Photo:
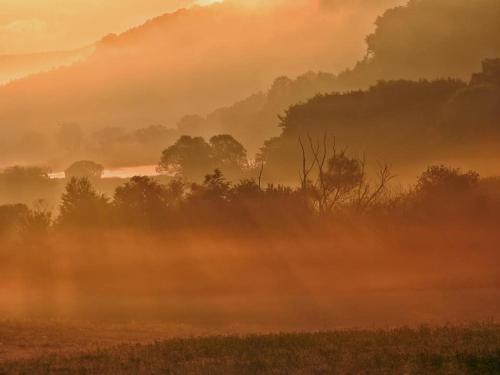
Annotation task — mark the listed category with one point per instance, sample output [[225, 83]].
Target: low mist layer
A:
[[367, 196], [339, 250]]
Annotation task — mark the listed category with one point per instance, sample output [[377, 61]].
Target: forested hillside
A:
[[425, 39], [400, 122]]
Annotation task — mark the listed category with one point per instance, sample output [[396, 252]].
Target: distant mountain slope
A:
[[195, 60], [190, 61], [254, 119], [428, 39], [13, 67]]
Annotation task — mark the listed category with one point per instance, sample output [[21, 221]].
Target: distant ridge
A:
[[16, 66], [189, 61]]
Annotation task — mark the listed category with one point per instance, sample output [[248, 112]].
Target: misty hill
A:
[[402, 122], [429, 39], [190, 61], [425, 39], [253, 119], [13, 67], [115, 91]]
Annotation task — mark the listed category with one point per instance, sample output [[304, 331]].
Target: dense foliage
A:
[[399, 121]]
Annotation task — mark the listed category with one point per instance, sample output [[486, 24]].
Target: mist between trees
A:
[[246, 252], [335, 240], [310, 233], [331, 185]]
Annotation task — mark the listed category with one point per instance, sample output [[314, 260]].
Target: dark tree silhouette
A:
[[440, 179], [333, 180], [446, 192], [37, 220], [81, 205], [366, 121], [428, 39], [189, 157], [214, 188], [229, 155], [11, 216], [144, 202], [25, 184], [84, 168], [24, 175]]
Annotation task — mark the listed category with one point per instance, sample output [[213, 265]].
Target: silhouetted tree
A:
[[333, 180], [11, 217], [144, 202], [214, 188], [25, 184], [81, 205], [446, 191], [37, 220], [229, 155], [366, 121], [247, 188], [440, 179], [84, 168], [253, 119], [428, 39], [20, 219], [24, 175], [189, 157]]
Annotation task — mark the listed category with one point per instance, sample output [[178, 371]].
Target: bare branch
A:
[[385, 176], [304, 174], [260, 174]]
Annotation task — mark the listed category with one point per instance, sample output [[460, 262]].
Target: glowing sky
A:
[[41, 25]]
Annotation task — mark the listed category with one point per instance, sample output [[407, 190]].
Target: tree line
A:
[[403, 121], [332, 186]]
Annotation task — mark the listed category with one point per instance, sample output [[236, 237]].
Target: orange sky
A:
[[40, 25]]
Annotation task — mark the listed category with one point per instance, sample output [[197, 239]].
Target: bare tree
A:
[[261, 172], [306, 170], [367, 196], [340, 181]]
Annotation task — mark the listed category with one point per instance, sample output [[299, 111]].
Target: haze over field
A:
[[249, 166]]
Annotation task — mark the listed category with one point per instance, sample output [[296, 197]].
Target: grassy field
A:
[[473, 349]]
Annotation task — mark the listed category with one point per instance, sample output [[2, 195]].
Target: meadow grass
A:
[[472, 349]]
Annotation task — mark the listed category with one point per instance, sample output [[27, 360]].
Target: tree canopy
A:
[[84, 168], [190, 157], [81, 205]]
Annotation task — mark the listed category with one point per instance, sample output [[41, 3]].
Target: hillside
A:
[[254, 119], [426, 39], [189, 61], [13, 67], [406, 123], [429, 39], [133, 82]]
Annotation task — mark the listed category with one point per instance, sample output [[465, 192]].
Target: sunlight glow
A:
[[208, 2]]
